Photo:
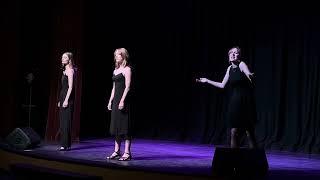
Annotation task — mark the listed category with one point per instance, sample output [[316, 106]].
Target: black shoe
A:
[[114, 155], [127, 158], [64, 148]]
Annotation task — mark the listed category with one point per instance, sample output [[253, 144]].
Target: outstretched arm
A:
[[217, 84]]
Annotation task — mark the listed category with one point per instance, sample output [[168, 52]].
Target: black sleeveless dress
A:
[[65, 114], [241, 111], [120, 119]]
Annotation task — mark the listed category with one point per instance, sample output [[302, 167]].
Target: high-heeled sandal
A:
[[114, 155], [127, 158]]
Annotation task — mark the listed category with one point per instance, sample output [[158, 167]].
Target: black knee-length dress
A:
[[241, 112], [120, 119]]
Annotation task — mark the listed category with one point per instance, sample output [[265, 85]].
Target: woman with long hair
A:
[[66, 98], [119, 104]]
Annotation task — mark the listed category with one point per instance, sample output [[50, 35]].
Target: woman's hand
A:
[[65, 104], [202, 80], [109, 106], [121, 105]]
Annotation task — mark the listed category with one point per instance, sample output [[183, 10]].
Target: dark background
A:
[[170, 44]]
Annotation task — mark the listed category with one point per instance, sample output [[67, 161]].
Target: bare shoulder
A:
[[229, 68], [69, 72], [242, 64], [127, 69]]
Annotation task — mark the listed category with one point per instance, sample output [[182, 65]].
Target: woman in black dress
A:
[[65, 103], [241, 114], [120, 125]]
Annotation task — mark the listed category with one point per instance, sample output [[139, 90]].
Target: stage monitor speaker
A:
[[239, 162], [23, 138]]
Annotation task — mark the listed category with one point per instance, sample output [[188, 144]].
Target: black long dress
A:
[[241, 111], [120, 119], [65, 113]]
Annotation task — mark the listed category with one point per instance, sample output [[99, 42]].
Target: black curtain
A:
[[171, 43], [24, 51]]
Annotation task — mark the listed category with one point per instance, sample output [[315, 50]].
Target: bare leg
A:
[[117, 144], [127, 152], [127, 148], [116, 153], [234, 137]]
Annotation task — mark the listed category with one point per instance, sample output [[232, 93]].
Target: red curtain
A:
[[67, 36]]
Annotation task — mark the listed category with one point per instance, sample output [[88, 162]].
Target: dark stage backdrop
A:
[[173, 42], [34, 36]]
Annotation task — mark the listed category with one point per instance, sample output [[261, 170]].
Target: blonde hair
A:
[[125, 57]]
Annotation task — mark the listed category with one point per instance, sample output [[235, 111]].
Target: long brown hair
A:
[[70, 56]]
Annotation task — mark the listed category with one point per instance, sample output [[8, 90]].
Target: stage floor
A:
[[174, 157]]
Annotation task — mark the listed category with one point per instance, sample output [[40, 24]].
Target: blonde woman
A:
[[119, 105]]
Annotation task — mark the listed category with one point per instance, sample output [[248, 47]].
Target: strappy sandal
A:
[[127, 158], [114, 155]]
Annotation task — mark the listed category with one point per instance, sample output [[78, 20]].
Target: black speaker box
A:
[[239, 162], [23, 138]]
